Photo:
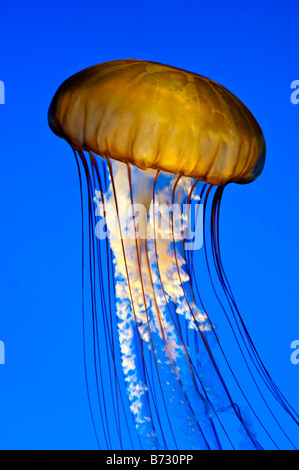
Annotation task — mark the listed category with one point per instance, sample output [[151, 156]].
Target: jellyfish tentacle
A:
[[97, 358], [258, 364], [174, 364], [83, 303], [156, 360], [189, 360], [191, 365], [204, 339], [154, 314], [132, 303], [95, 327], [144, 300], [111, 329], [220, 189], [194, 280]]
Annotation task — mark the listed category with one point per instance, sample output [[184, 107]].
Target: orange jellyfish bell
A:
[[156, 116]]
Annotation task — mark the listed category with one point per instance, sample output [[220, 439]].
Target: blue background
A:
[[250, 47]]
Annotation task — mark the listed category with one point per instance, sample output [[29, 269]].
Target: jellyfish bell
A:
[[156, 116], [152, 134]]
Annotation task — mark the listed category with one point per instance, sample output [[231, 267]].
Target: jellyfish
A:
[[155, 147]]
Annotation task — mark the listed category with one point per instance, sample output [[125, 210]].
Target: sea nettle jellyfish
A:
[[157, 146]]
